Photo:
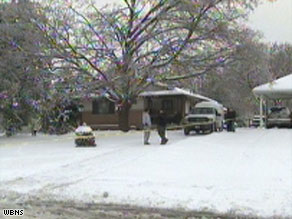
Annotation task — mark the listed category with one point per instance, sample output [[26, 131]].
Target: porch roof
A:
[[175, 92], [278, 89]]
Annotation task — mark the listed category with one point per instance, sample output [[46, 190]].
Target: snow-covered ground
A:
[[247, 172]]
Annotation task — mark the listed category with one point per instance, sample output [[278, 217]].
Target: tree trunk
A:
[[124, 117]]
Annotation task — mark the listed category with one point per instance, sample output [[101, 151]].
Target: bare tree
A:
[[280, 61], [248, 68], [121, 50], [22, 69]]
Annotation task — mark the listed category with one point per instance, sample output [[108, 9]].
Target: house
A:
[[100, 113]]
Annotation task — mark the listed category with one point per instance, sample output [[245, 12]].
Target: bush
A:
[[84, 136]]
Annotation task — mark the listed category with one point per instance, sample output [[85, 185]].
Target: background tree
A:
[[280, 61], [254, 63], [232, 84], [121, 50], [24, 79]]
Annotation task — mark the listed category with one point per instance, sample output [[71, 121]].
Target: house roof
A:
[[174, 92], [278, 89]]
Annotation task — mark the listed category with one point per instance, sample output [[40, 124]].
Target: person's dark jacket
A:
[[230, 115], [233, 114], [161, 120]]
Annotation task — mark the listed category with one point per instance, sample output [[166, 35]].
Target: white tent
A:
[[278, 89]]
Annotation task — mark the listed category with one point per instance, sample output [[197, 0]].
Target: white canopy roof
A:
[[278, 89], [175, 91]]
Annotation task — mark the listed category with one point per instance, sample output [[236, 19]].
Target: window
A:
[[103, 106], [203, 111]]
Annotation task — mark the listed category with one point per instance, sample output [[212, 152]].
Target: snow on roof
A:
[[278, 89], [175, 91]]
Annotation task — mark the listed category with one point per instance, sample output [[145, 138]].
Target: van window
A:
[[203, 111]]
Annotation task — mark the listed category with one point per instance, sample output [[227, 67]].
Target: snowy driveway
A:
[[248, 172]]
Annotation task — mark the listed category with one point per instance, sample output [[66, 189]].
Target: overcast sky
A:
[[274, 19]]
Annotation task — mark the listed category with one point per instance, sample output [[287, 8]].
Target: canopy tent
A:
[[278, 89]]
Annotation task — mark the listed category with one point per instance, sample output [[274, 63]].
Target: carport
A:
[[277, 89]]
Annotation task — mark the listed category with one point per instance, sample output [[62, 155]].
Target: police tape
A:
[[193, 124], [98, 134], [84, 137], [152, 128], [63, 138]]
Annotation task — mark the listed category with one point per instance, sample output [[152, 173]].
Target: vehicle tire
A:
[[215, 127], [186, 131], [211, 128]]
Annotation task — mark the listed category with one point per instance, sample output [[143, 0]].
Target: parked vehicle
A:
[[279, 117], [207, 116], [255, 122]]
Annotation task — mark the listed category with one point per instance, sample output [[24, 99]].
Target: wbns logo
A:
[[13, 212]]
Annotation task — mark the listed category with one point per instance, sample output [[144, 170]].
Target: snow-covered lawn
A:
[[246, 172]]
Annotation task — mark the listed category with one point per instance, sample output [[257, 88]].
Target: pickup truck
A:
[[279, 117], [207, 116]]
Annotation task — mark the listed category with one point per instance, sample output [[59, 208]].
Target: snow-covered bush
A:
[[84, 136]]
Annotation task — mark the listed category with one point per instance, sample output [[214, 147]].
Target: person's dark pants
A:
[[230, 126], [33, 132], [161, 133]]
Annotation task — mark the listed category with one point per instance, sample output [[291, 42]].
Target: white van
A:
[[207, 116]]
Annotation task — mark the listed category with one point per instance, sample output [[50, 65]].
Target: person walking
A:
[[35, 125], [146, 120], [233, 118], [161, 126], [230, 120]]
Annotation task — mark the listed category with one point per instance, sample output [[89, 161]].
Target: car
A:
[[255, 122], [279, 116]]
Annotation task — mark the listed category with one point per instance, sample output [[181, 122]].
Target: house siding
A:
[[176, 109], [110, 121]]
